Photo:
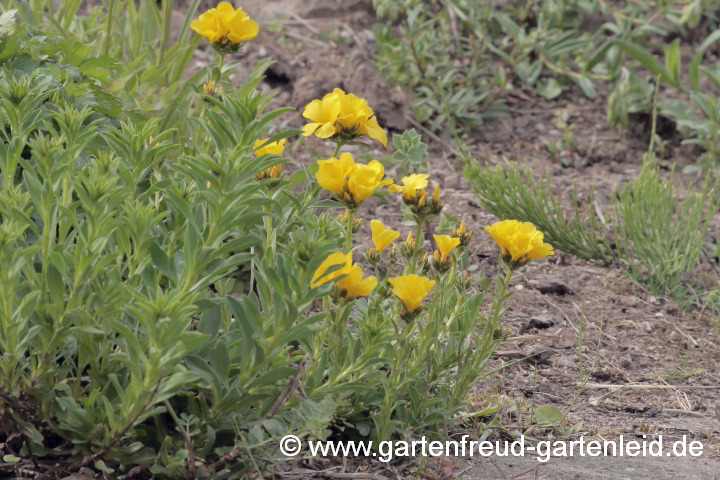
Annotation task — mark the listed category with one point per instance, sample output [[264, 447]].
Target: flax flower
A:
[[354, 284], [445, 244], [413, 186], [226, 27], [351, 182], [274, 148], [381, 235], [411, 289], [343, 115], [519, 242]]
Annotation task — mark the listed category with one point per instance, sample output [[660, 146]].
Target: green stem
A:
[[349, 230], [109, 26], [268, 220], [338, 146], [167, 17], [418, 243]]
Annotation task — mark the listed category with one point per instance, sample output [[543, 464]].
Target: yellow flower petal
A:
[[381, 235], [445, 244], [333, 172], [338, 258], [411, 289], [276, 148], [326, 131], [355, 284], [520, 240]]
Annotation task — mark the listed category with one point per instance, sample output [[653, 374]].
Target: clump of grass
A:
[[515, 193], [660, 236]]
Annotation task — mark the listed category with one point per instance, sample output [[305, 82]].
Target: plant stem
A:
[[109, 26], [268, 220], [338, 146], [418, 243], [349, 230], [167, 17]]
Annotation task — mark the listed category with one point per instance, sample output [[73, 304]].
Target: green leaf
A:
[[698, 57], [162, 262], [548, 415], [648, 60], [549, 89]]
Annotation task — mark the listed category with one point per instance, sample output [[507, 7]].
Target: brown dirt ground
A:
[[643, 339]]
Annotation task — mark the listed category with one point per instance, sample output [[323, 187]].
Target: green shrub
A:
[[156, 308]]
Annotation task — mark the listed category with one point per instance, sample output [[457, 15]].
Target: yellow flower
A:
[[354, 284], [411, 185], [337, 258], [520, 241], [212, 89], [445, 244], [332, 173], [365, 179], [338, 113], [225, 25], [411, 289], [276, 148], [381, 235], [323, 113], [352, 182], [462, 233]]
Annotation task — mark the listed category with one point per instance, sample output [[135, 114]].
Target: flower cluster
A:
[[342, 117], [351, 182], [226, 27], [414, 196], [519, 242]]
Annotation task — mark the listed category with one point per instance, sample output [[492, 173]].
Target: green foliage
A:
[[410, 151], [515, 194], [155, 300], [701, 131], [456, 88], [660, 236]]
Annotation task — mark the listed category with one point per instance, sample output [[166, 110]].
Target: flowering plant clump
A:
[[343, 118], [226, 27], [175, 304]]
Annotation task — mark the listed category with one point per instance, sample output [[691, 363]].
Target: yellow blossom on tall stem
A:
[[413, 186], [412, 290], [226, 27], [519, 242], [445, 244], [352, 182], [343, 117], [354, 284], [382, 236], [275, 148]]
